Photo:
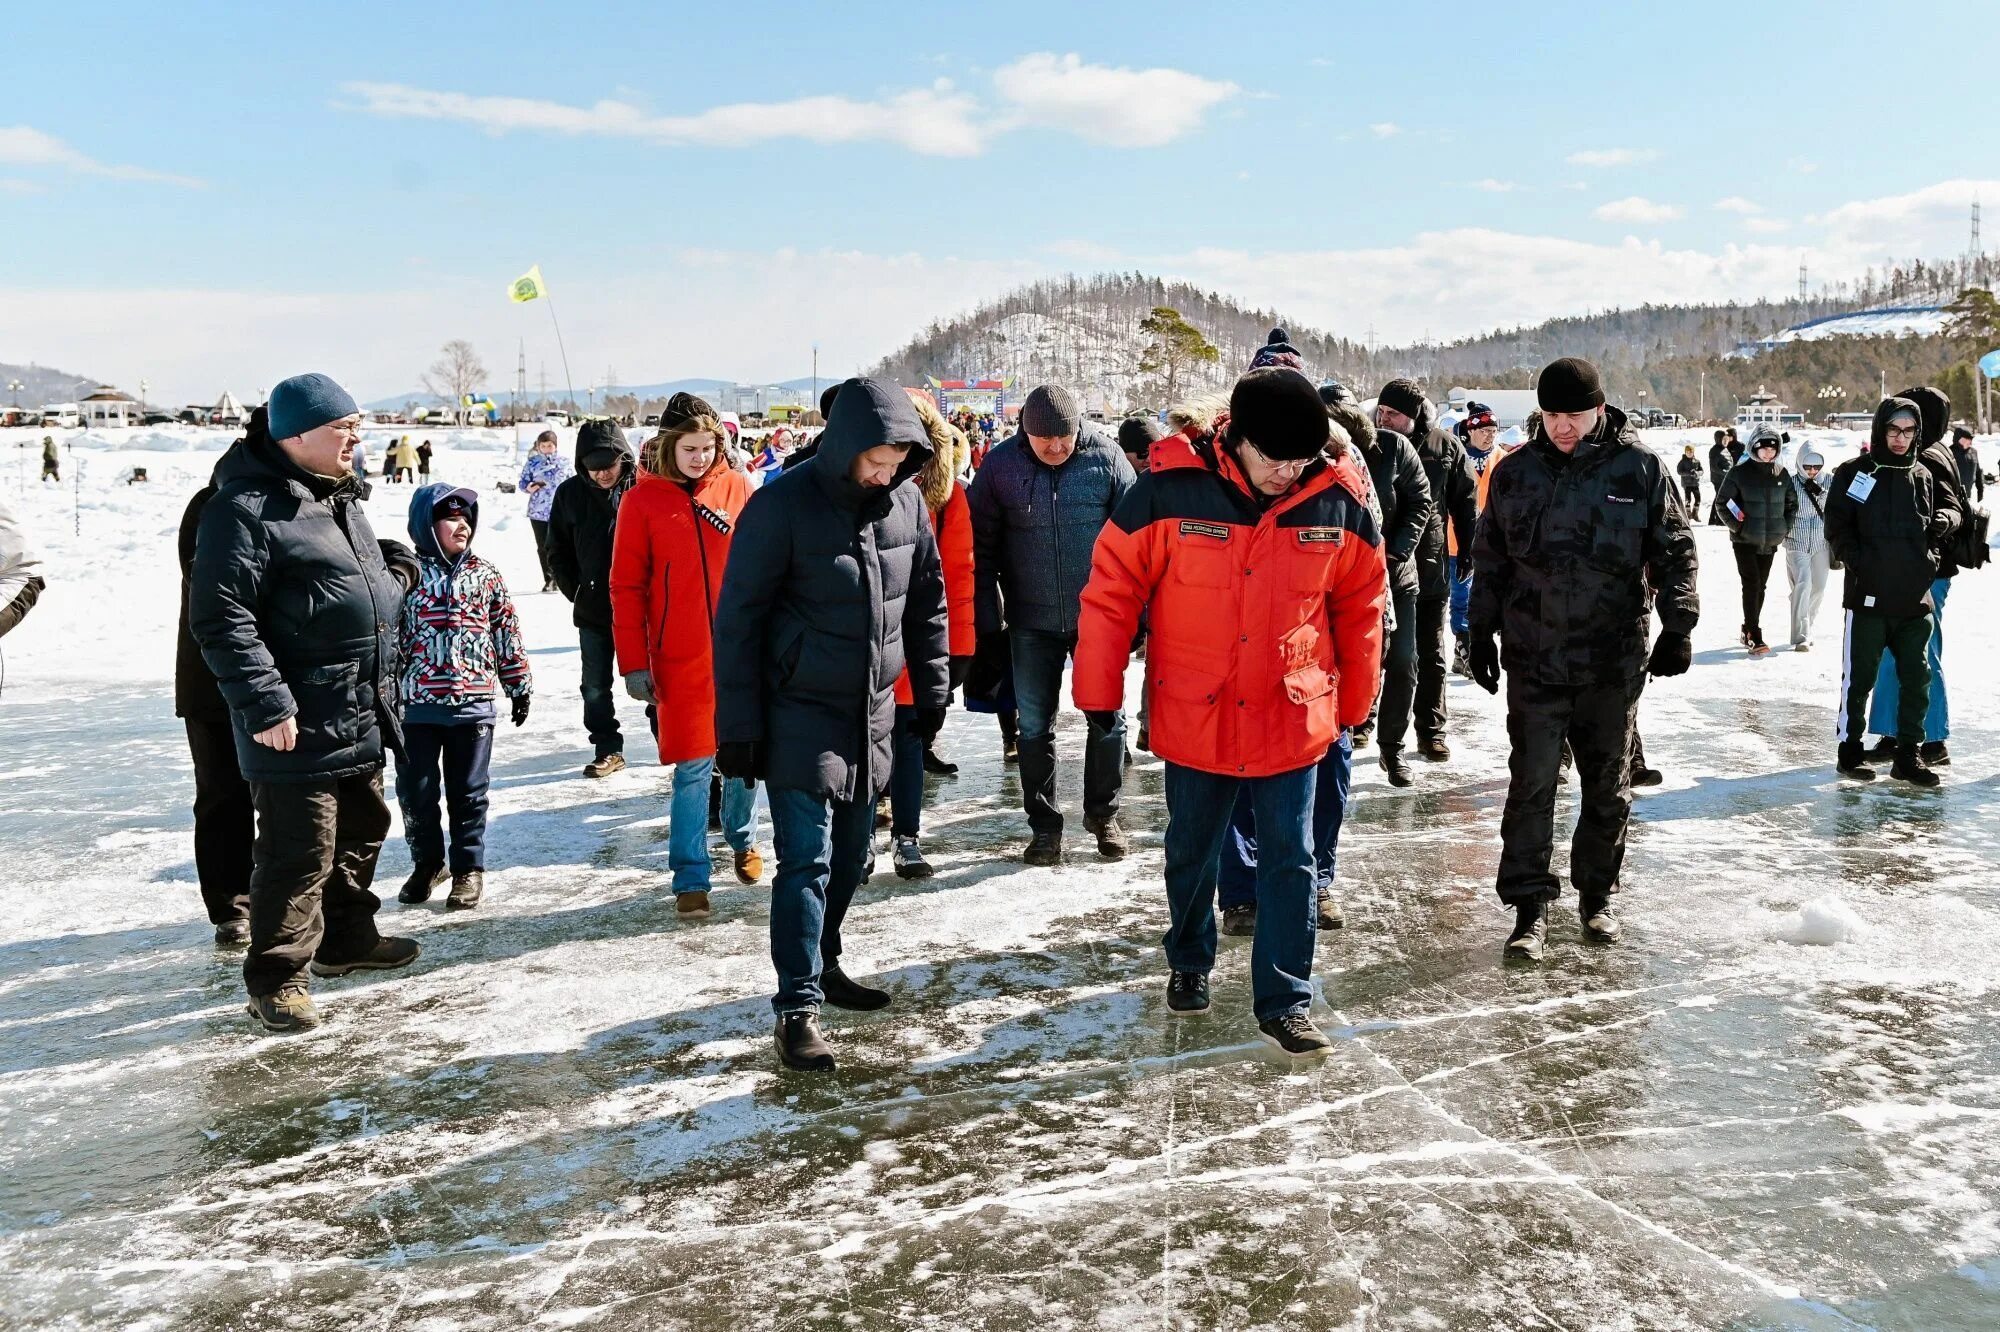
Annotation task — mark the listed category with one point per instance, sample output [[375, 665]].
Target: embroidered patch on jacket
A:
[[1321, 536], [1217, 530], [1620, 499]]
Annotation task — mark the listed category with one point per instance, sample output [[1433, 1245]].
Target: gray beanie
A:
[[1050, 413]]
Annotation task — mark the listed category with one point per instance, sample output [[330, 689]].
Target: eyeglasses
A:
[[351, 429], [1901, 432], [1281, 468]]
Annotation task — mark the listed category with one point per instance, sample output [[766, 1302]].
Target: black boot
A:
[[1853, 762], [937, 764], [1398, 768], [1910, 766], [1599, 925], [1010, 737], [1044, 848], [1885, 748], [417, 888], [843, 991], [1935, 754], [465, 892], [800, 1045], [1531, 931]]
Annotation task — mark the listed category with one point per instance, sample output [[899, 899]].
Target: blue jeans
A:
[[1461, 597], [1236, 876], [1937, 718], [463, 752], [1198, 805], [822, 848], [1038, 669], [906, 775], [687, 822]]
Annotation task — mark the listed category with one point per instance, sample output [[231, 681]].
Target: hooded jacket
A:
[[1402, 492], [829, 588], [1809, 528], [1887, 538], [1934, 411], [1720, 460], [1454, 498], [460, 637], [951, 521], [296, 614], [667, 560], [549, 471], [1033, 527], [1766, 498], [1568, 552], [582, 517], [1265, 620]]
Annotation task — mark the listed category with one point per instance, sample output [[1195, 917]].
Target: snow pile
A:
[[1823, 921]]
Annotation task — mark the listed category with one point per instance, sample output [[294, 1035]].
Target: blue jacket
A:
[[1034, 527], [551, 471]]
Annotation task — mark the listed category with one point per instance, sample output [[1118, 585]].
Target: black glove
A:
[[989, 667], [1939, 524], [1672, 655], [929, 721], [520, 708], [960, 668], [402, 562], [1482, 653], [741, 759], [1101, 721]]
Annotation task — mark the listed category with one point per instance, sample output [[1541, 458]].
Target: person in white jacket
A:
[[20, 571], [1808, 561]]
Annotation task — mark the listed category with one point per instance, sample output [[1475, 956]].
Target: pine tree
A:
[[1175, 346]]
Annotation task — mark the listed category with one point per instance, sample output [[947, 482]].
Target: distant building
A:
[[109, 407], [765, 400]]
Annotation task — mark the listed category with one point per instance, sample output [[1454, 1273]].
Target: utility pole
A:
[[815, 401], [1802, 280], [544, 401]]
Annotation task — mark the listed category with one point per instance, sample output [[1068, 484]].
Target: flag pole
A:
[[560, 348]]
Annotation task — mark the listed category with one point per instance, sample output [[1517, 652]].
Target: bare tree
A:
[[455, 374]]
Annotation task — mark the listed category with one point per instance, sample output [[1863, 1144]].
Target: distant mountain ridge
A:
[[703, 388], [42, 385]]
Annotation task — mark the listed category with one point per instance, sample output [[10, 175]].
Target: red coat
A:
[[666, 574], [953, 524], [1264, 628]]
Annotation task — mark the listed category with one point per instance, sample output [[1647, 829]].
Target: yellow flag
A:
[[527, 287]]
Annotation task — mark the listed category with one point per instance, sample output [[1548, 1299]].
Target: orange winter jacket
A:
[[953, 525], [667, 557], [1264, 633]]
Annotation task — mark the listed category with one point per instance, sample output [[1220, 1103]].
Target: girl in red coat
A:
[[944, 496], [667, 557]]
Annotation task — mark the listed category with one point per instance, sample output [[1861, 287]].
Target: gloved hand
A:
[[989, 666], [1672, 655], [1482, 653], [741, 759], [1939, 524], [521, 708], [929, 721], [960, 667], [639, 684], [1101, 721]]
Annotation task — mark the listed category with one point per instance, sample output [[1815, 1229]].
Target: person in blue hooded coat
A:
[[832, 586]]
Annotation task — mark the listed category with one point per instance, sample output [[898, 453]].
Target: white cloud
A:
[[1612, 157], [1492, 186], [1125, 108], [15, 185], [22, 146], [1937, 214], [1766, 226], [1385, 129], [1636, 209], [1736, 203]]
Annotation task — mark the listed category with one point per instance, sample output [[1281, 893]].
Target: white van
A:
[[62, 416]]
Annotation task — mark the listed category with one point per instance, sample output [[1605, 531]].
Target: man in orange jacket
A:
[[1261, 573]]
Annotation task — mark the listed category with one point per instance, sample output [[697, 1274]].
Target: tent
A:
[[227, 411]]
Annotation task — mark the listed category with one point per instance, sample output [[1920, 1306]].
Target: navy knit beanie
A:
[[306, 402]]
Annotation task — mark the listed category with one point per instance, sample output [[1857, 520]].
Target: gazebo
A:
[[109, 407]]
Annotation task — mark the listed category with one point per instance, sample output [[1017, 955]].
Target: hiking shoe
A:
[[909, 859], [800, 1045], [843, 991], [1295, 1034], [1910, 767], [1853, 762], [1044, 848], [1112, 843], [1435, 749], [388, 953], [1885, 748], [1398, 768], [1531, 931], [692, 905], [1599, 925], [1935, 754], [465, 892], [749, 865], [1327, 908], [1187, 993], [1647, 777], [1240, 921], [289, 1010], [935, 762], [1359, 737], [418, 887], [232, 934], [604, 765]]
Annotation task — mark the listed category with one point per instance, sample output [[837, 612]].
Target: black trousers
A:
[[541, 529], [1598, 721], [317, 843], [225, 821], [1431, 665], [1754, 568], [1399, 676]]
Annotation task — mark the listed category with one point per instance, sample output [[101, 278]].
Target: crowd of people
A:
[[1285, 565]]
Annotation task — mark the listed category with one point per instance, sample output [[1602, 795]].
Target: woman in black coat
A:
[[1758, 503]]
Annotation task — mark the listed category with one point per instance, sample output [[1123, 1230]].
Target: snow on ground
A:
[[1777, 1105]]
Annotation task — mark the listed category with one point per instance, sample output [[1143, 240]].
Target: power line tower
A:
[[1802, 280], [520, 378], [1976, 252]]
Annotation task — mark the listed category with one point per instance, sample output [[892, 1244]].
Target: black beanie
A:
[[1279, 411], [683, 408], [1333, 394], [1569, 385], [1050, 413], [1403, 395], [1137, 433]]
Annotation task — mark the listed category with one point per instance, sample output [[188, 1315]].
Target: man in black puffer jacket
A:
[[1402, 407], [1759, 504], [1037, 504], [1581, 528], [833, 583], [296, 614], [581, 520]]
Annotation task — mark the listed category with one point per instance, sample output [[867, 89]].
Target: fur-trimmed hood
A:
[[951, 452]]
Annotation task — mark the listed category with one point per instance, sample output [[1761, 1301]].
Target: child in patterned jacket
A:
[[461, 648]]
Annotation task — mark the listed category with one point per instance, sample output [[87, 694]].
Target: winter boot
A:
[[1359, 737], [1434, 748], [232, 934], [1910, 767], [604, 765], [843, 991], [910, 862], [937, 764], [1531, 931], [1645, 776], [692, 906], [1295, 1034], [1599, 925], [1397, 767], [1044, 848], [1853, 762], [800, 1045], [1460, 663], [1187, 993], [289, 1010], [1010, 738], [1883, 749], [1240, 921], [388, 953], [749, 865], [1935, 754], [417, 888], [1112, 843], [1327, 906], [465, 892]]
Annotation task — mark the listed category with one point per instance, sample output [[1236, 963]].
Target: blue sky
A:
[[218, 194]]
